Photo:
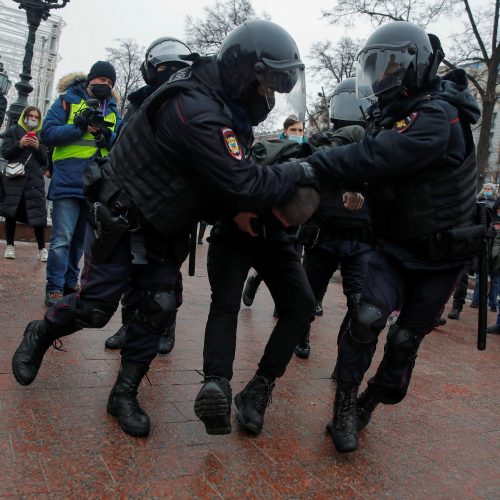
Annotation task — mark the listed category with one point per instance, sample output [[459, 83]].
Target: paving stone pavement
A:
[[56, 440]]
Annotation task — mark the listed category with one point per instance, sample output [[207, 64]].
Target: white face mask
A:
[[32, 123]]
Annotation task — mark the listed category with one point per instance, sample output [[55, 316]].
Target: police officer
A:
[[163, 58], [343, 235], [418, 158], [273, 254], [178, 160]]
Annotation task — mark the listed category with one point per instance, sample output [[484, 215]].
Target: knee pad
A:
[[367, 322], [156, 307], [93, 314], [402, 345]]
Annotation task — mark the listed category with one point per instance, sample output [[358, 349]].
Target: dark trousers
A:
[[388, 284], [460, 292], [103, 283], [279, 265], [10, 232], [322, 260]]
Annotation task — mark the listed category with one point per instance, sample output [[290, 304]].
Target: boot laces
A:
[[58, 345], [262, 395]]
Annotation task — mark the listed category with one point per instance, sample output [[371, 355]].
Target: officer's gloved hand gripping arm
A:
[[388, 153]]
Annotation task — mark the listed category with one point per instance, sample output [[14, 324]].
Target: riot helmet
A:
[[397, 56], [345, 107], [166, 51], [256, 60]]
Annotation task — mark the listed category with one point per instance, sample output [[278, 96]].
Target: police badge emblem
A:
[[232, 143], [402, 125]]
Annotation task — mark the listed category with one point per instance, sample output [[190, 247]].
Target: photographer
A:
[[78, 132]]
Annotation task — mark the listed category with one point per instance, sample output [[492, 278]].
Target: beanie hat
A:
[[102, 68]]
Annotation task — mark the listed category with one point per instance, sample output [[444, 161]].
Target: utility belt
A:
[[457, 244], [110, 214]]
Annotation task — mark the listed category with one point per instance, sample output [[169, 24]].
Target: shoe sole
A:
[[249, 426], [211, 407]]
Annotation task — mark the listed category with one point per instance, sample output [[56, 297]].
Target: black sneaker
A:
[[213, 405], [53, 297], [303, 348], [493, 309], [454, 313], [252, 402], [318, 310]]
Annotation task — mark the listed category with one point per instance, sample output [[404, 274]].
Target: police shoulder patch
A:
[[232, 143], [403, 125]]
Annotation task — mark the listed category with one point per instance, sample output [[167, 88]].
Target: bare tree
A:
[[127, 59], [477, 47], [332, 64], [205, 35]]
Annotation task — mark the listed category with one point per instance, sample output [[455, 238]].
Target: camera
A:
[[91, 116]]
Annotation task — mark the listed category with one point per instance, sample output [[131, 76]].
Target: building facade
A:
[[13, 36]]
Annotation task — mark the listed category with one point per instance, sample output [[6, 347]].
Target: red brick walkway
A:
[[56, 439]]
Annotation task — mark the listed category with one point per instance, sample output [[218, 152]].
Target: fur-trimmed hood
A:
[[76, 78]]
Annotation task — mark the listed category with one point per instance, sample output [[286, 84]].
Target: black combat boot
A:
[[455, 313], [366, 404], [117, 340], [303, 348], [167, 339], [29, 355], [252, 402], [318, 310], [344, 427], [122, 401], [213, 405]]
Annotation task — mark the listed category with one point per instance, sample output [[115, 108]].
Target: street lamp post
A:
[[36, 10]]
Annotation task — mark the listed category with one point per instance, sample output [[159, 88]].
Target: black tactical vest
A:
[[427, 203], [163, 194]]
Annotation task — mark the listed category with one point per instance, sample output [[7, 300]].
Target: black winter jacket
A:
[[31, 185]]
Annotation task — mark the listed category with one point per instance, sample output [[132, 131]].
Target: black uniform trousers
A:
[[323, 259], [228, 262], [102, 285], [388, 284]]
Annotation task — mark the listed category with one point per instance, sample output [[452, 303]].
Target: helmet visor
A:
[[347, 107], [287, 80], [168, 51], [380, 69]]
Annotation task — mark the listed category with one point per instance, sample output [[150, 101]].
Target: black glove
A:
[[306, 175], [81, 121], [102, 137]]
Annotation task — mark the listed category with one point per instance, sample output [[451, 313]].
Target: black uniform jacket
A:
[[412, 135]]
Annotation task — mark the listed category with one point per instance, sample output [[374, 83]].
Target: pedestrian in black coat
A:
[[23, 197]]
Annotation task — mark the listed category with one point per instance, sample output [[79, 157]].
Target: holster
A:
[[109, 228]]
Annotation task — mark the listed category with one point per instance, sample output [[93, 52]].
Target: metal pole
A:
[[36, 10]]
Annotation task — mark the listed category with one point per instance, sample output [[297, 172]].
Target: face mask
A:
[[257, 107], [100, 90], [488, 194], [31, 123], [296, 138]]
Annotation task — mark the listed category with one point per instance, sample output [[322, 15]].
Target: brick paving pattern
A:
[[56, 439]]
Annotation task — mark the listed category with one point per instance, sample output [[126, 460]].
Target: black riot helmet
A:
[[398, 55], [257, 59], [166, 51], [345, 107]]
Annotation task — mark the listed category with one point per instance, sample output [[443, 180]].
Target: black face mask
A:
[[257, 107], [100, 90]]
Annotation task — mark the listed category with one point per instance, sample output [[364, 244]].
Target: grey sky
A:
[[92, 25]]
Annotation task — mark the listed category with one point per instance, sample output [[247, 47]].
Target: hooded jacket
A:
[[31, 185], [418, 159], [67, 173]]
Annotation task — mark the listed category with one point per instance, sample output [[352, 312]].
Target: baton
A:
[[192, 250], [483, 283]]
